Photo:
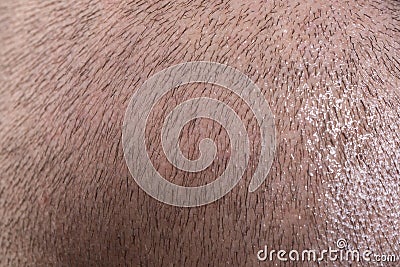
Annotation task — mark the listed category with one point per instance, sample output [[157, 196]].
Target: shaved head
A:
[[330, 73]]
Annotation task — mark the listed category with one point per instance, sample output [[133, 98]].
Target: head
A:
[[329, 71]]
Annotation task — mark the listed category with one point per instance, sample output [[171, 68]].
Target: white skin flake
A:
[[358, 155]]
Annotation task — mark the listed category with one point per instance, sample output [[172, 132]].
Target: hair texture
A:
[[329, 71]]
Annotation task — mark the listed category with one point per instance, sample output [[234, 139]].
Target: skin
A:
[[330, 73]]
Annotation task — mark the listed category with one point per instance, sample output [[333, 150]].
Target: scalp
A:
[[330, 73]]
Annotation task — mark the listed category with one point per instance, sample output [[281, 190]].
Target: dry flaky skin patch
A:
[[330, 73]]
